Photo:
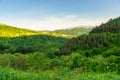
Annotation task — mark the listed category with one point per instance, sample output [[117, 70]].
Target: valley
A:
[[66, 54]]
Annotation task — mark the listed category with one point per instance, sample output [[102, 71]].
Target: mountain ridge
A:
[[11, 31]]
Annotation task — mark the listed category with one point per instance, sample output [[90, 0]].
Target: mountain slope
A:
[[68, 33], [10, 31], [74, 31], [16, 40], [100, 41], [113, 25], [29, 44], [55, 34]]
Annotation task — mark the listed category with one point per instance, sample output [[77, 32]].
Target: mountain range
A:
[[69, 54], [11, 31]]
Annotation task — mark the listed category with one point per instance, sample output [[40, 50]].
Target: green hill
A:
[[68, 33], [55, 34], [98, 51], [113, 25], [29, 44], [10, 31], [101, 39], [17, 40], [74, 31]]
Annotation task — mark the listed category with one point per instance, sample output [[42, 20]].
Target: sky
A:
[[57, 14]]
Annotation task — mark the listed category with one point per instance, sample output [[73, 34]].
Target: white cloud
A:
[[52, 23]]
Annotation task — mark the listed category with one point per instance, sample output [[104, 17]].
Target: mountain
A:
[[77, 31], [52, 33], [17, 40], [104, 39], [10, 31], [68, 33]]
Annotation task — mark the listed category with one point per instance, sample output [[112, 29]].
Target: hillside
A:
[[55, 34], [68, 33], [17, 40], [74, 31], [29, 44], [100, 39], [10, 31], [98, 51], [113, 25]]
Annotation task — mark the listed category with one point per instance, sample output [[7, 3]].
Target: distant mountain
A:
[[10, 31], [68, 33], [52, 33], [77, 31]]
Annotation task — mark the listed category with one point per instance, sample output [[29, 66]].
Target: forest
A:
[[93, 54]]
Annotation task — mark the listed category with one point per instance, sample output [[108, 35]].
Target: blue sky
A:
[[57, 14]]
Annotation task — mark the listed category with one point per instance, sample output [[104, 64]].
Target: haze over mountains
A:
[[10, 31]]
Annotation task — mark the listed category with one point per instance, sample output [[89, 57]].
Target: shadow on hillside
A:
[[29, 44]]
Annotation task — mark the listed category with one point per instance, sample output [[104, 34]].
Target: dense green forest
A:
[[102, 46], [103, 38], [90, 56], [29, 44]]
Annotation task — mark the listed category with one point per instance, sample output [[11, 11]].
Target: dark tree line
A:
[[113, 25]]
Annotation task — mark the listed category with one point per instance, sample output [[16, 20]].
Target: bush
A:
[[79, 61], [37, 61], [114, 51]]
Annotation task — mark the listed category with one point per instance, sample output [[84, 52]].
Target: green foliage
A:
[[29, 44], [79, 61], [64, 67], [58, 58], [113, 51], [114, 59], [11, 74], [86, 42], [38, 61]]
